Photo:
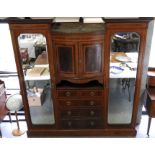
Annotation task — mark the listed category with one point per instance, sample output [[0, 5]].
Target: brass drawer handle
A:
[[68, 93], [69, 113], [92, 113], [92, 102], [92, 93], [69, 123], [80, 61], [92, 123], [68, 103]]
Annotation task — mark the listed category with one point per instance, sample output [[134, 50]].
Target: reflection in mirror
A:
[[34, 59], [123, 69], [31, 46]]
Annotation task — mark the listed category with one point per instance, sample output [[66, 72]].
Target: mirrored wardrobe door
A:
[[122, 76], [34, 60]]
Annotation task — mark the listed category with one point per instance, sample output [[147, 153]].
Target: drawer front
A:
[[79, 93], [91, 112], [82, 124], [78, 103], [67, 93], [91, 93]]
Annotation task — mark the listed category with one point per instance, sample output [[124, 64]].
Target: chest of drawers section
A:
[[80, 109]]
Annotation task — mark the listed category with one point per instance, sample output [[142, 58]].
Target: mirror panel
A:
[[34, 60], [122, 73]]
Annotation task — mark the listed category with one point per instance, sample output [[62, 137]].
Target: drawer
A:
[[82, 124], [79, 103], [67, 93], [79, 93], [91, 112], [91, 93]]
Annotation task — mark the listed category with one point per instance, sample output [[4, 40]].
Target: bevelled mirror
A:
[[122, 76], [34, 60]]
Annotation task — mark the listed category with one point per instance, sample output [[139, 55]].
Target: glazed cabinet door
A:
[[90, 61], [66, 55]]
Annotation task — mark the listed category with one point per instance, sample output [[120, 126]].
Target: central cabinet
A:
[[78, 56], [79, 76], [79, 84]]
